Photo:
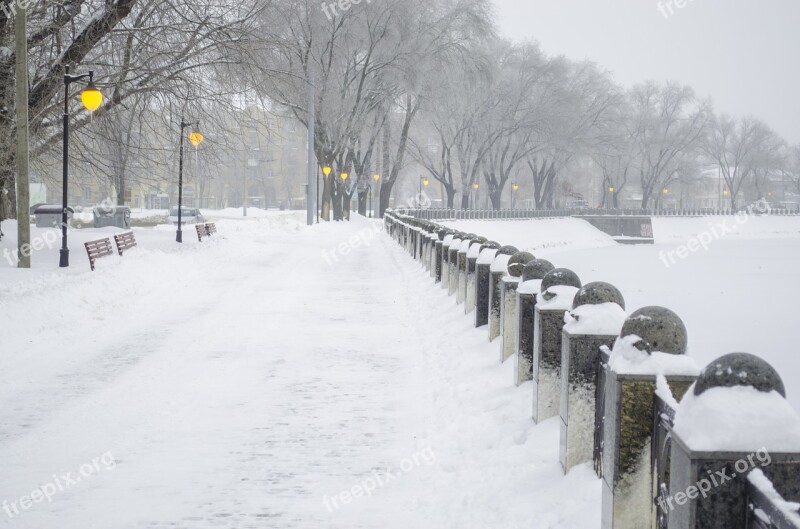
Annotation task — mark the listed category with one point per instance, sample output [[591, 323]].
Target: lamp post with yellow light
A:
[[344, 176], [375, 177], [475, 187], [195, 138], [514, 189], [423, 181], [92, 99], [611, 197], [326, 170]]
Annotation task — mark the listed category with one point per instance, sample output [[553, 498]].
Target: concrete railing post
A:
[[508, 307], [482, 282], [595, 321], [452, 264], [497, 271], [715, 448], [532, 276], [461, 264], [652, 343], [558, 289], [445, 276]]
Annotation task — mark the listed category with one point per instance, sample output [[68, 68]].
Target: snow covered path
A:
[[247, 383]]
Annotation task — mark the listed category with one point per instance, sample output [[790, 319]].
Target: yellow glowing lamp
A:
[[475, 186], [725, 192], [376, 177], [195, 138], [611, 189], [326, 170], [91, 97], [425, 182], [344, 176], [515, 186], [666, 190]]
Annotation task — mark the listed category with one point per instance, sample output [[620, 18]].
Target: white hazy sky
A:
[[744, 54]]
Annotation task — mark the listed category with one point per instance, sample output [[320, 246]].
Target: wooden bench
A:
[[125, 241], [97, 249], [211, 229], [201, 231]]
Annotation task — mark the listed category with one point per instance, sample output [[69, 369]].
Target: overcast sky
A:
[[745, 54]]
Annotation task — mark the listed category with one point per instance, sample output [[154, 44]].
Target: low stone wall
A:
[[630, 403]]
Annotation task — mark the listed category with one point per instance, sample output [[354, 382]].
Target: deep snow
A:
[[241, 381], [738, 295]]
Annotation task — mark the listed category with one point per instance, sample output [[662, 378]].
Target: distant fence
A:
[[522, 214], [615, 387]]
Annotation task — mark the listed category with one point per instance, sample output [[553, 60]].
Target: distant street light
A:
[[195, 138], [422, 182], [514, 189], [344, 176], [375, 177], [326, 170], [92, 99]]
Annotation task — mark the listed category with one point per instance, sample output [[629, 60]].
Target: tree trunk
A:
[[362, 203], [326, 198]]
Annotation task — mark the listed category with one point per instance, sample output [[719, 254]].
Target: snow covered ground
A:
[[280, 376], [275, 376], [736, 293]]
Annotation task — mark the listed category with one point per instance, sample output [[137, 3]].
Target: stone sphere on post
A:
[[596, 293], [659, 329], [507, 250], [517, 263], [560, 276], [537, 269], [740, 369]]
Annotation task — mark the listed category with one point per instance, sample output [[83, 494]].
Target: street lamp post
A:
[[610, 197], [326, 171], [375, 177], [423, 182], [514, 188], [475, 196], [92, 99], [195, 138]]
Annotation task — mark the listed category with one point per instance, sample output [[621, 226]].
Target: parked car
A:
[[188, 216]]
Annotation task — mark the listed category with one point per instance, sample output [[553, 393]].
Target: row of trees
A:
[[395, 83]]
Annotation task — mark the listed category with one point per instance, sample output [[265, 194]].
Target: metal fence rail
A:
[[524, 214]]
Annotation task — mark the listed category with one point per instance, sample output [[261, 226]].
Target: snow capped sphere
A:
[[740, 369], [444, 232], [517, 263], [470, 236], [659, 330], [537, 269], [507, 250], [560, 276], [596, 293]]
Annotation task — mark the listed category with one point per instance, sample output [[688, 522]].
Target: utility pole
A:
[[312, 165], [21, 100]]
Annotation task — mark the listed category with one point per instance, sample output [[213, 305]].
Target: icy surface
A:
[[605, 319]]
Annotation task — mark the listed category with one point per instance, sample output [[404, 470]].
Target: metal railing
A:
[[524, 214], [763, 513]]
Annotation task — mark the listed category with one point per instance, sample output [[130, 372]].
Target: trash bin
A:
[[117, 216], [49, 215]]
